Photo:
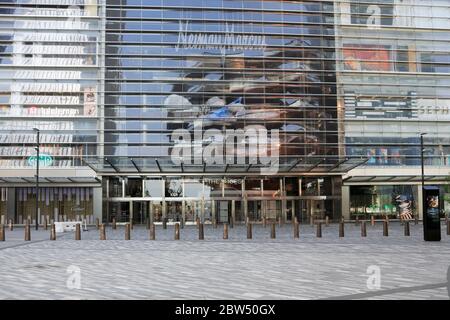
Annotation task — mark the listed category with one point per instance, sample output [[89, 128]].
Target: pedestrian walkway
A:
[[214, 268]]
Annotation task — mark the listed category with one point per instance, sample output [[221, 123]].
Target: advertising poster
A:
[[90, 101], [366, 58]]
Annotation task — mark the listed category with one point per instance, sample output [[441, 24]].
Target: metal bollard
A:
[[225, 231], [102, 232], [249, 231], [363, 229], [2, 232], [372, 220], [45, 222], [201, 234], [407, 229], [53, 232], [273, 234], [77, 232], [296, 229], [385, 228], [319, 230], [27, 231], [387, 219], [114, 224], [327, 221], [97, 222], [197, 221], [177, 231], [152, 231], [341, 229], [127, 231], [164, 223], [11, 225]]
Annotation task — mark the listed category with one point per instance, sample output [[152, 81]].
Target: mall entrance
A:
[[221, 200]]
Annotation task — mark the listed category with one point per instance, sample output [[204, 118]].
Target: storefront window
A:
[[115, 187], [253, 187], [212, 187], [310, 187], [173, 187], [133, 187], [379, 201], [3, 204], [153, 188], [56, 203], [272, 187], [291, 187], [193, 188], [232, 187]]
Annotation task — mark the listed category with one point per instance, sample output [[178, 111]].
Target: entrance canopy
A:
[[49, 176], [397, 175], [155, 166]]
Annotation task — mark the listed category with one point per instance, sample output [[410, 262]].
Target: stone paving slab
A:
[[261, 268]]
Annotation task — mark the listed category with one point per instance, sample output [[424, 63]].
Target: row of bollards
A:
[[201, 234]]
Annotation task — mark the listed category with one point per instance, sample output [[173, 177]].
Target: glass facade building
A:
[[393, 76], [222, 110], [183, 76], [50, 57]]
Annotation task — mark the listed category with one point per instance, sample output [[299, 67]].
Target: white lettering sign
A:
[[219, 41], [433, 109]]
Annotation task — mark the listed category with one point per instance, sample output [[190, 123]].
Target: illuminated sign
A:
[[45, 160]]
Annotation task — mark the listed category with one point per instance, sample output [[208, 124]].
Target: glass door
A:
[[174, 211], [192, 210], [315, 209], [254, 210], [224, 208], [140, 212], [120, 210], [272, 209], [156, 211]]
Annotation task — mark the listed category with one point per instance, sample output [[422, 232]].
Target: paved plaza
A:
[[237, 268]]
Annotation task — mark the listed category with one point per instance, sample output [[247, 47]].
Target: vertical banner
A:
[[90, 101]]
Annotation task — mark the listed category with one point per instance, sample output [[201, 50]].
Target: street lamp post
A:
[[37, 178]]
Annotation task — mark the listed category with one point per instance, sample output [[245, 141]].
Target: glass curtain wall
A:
[[218, 65], [49, 80], [394, 77]]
